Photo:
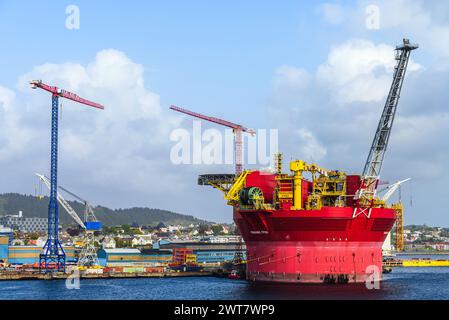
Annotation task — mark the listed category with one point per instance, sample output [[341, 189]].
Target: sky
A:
[[317, 72]]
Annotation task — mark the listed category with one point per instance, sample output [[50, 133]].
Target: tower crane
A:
[[371, 172], [237, 129], [88, 255], [53, 257]]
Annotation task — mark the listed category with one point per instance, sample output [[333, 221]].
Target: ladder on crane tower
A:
[[371, 172]]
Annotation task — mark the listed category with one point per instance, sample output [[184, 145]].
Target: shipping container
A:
[[93, 271], [191, 258], [155, 270], [133, 269]]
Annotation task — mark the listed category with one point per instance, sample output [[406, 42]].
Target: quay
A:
[[394, 263], [8, 276]]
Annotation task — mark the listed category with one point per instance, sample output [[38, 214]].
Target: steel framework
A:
[[373, 165], [53, 256]]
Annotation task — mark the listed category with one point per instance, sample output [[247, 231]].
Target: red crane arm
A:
[[212, 119], [63, 93]]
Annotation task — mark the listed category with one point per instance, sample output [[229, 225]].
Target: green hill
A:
[[31, 206]]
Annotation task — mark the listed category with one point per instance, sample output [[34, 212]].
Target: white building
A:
[[21, 223], [108, 243], [173, 228], [141, 241]]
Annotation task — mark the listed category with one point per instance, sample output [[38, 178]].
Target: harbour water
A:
[[402, 283]]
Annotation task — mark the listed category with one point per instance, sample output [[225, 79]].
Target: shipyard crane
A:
[[53, 257], [237, 129], [62, 201], [391, 189], [88, 255], [371, 172], [399, 208]]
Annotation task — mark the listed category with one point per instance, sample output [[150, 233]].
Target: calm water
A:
[[402, 283]]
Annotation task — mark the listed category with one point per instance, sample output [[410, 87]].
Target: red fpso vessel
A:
[[315, 246], [329, 228]]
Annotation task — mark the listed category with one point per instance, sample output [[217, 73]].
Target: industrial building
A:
[[163, 251], [7, 232], [28, 254], [206, 253], [21, 223], [4, 249], [134, 257]]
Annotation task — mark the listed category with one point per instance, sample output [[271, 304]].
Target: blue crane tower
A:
[[53, 257]]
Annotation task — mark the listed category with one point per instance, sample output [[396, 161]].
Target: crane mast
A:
[[53, 257], [371, 172]]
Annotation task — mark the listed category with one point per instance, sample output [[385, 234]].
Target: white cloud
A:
[[359, 71], [309, 146], [422, 21], [291, 78], [117, 157], [12, 135]]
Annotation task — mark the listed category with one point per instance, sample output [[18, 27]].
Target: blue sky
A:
[[311, 69], [216, 55]]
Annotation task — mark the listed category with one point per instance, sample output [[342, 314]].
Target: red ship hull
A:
[[314, 246]]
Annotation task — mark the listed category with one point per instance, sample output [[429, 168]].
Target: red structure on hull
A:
[[317, 246], [326, 245]]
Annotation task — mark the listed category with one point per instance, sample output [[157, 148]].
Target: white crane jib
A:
[[392, 189], [63, 202]]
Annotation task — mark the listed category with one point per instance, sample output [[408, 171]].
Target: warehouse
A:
[[28, 254], [206, 252], [4, 249], [133, 257]]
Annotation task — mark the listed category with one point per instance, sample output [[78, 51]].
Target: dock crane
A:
[[391, 189], [88, 255], [371, 173], [399, 208], [53, 257], [237, 129]]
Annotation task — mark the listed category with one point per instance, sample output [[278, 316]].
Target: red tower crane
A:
[[237, 129]]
